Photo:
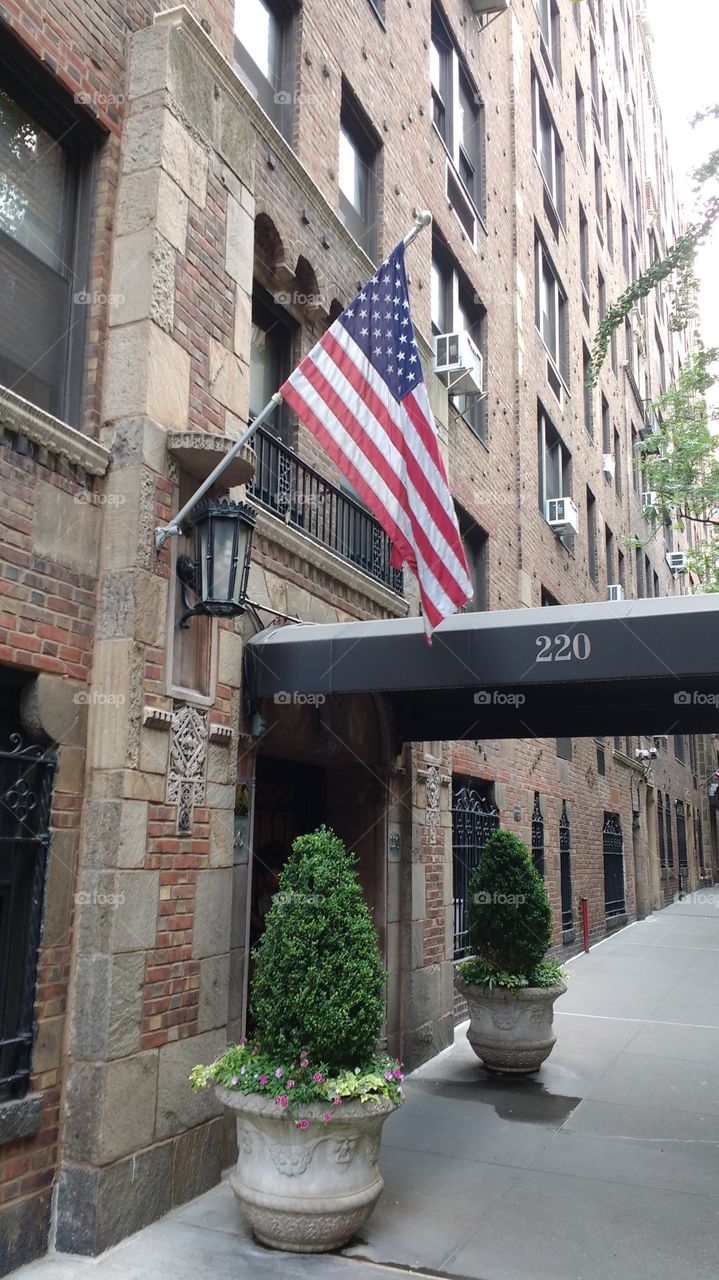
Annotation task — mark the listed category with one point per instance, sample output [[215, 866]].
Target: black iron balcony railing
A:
[[298, 494]]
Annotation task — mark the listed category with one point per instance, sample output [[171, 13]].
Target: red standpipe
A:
[[585, 922]]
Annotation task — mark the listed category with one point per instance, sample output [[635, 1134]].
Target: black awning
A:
[[635, 667]]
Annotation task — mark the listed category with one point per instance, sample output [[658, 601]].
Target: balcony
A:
[[299, 495]]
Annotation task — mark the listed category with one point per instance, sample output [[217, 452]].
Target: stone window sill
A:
[[20, 1117]]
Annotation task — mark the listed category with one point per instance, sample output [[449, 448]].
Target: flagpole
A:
[[175, 526]]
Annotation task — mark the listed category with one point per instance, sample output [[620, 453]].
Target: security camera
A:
[[653, 753]]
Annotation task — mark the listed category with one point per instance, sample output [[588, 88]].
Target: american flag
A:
[[361, 392]]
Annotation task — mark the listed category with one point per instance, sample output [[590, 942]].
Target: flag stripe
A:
[[313, 404], [381, 439]]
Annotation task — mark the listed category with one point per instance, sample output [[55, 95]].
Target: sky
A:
[[684, 57]]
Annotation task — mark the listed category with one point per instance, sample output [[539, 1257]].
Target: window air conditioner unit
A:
[[488, 6], [649, 498], [677, 561], [608, 465], [561, 514], [615, 591], [458, 362]]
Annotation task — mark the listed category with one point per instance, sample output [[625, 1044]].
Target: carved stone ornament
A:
[[510, 1030], [433, 792], [188, 763]]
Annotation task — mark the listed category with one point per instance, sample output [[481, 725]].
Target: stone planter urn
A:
[[511, 1030], [306, 1190]]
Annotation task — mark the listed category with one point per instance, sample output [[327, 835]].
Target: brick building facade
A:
[[180, 223]]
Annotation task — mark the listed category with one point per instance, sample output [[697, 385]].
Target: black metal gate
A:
[[613, 849], [538, 835], [474, 818], [565, 869], [25, 783]]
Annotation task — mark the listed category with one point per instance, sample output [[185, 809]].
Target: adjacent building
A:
[[188, 198]]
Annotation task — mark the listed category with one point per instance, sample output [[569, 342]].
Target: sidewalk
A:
[[605, 1167]]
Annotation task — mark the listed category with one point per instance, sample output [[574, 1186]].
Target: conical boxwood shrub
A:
[[319, 980], [510, 919]]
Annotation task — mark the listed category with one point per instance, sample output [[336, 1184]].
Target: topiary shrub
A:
[[318, 982], [510, 919]]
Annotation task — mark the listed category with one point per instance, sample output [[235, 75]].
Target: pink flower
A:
[[388, 1075], [242, 1040], [302, 1124], [304, 1062], [263, 1079], [282, 1100], [398, 1074], [233, 1080], [254, 1048], [337, 1102], [290, 1084], [318, 1077], [279, 1073], [327, 1117]]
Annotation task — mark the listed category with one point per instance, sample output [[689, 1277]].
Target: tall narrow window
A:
[[617, 464], [606, 427], [639, 572], [565, 872], [548, 149], [613, 851], [263, 56], [458, 116], [588, 392], [580, 113], [668, 828], [609, 553], [358, 153], [548, 12], [625, 243], [682, 837], [583, 250], [592, 536], [474, 541], [538, 835], [555, 464], [598, 194], [46, 150], [660, 831], [550, 309]]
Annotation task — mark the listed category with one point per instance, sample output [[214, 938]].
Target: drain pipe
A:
[[585, 921]]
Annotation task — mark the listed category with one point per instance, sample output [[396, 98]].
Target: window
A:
[[594, 82], [548, 13], [639, 571], [601, 295], [581, 116], [621, 141], [598, 194], [564, 748], [565, 874], [625, 243], [474, 541], [550, 309], [458, 116], [621, 571], [538, 835], [609, 554], [682, 837], [661, 361], [605, 119], [668, 828], [25, 785], [657, 588], [606, 427], [617, 464], [613, 852], [264, 38], [647, 576], [615, 35], [270, 357], [588, 392], [679, 747], [601, 757], [474, 818], [660, 831], [584, 257], [358, 154], [555, 463], [609, 224], [548, 150], [592, 536], [454, 307], [47, 151]]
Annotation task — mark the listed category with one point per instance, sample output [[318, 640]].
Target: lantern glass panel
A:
[[224, 529]]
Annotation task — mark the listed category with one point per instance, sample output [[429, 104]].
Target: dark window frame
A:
[[365, 140], [276, 99], [42, 98]]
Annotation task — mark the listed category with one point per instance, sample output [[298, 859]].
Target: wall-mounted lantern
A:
[[223, 547]]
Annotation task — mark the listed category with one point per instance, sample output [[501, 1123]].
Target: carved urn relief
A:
[[511, 1031]]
